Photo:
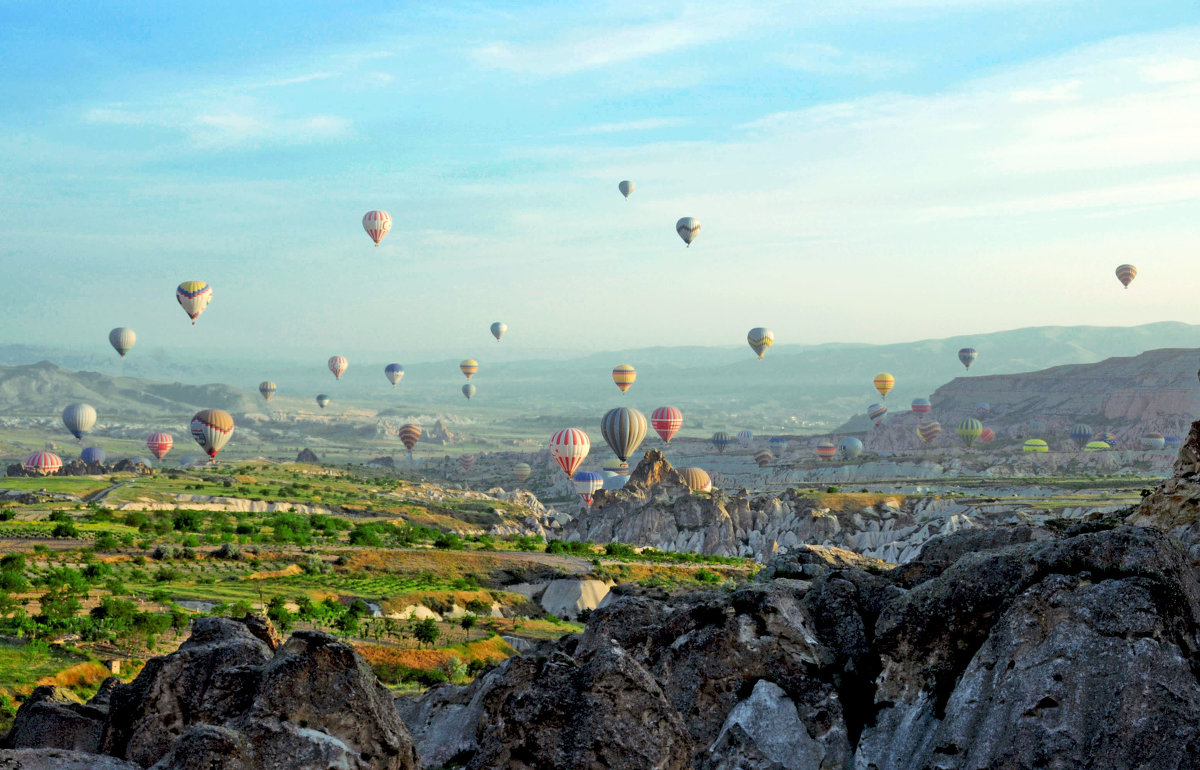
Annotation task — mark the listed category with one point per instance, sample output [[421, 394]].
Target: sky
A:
[[864, 171]]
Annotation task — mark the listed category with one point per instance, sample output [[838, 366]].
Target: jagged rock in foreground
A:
[[1174, 506], [226, 699], [1030, 650]]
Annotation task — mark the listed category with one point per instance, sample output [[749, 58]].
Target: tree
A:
[[479, 607], [426, 632], [277, 611], [467, 623]]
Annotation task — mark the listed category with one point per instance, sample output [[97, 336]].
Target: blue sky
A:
[[879, 171]]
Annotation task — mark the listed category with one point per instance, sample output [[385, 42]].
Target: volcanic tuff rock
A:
[[1031, 650], [224, 700]]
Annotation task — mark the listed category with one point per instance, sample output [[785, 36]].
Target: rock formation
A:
[[306, 455], [1017, 650], [232, 697]]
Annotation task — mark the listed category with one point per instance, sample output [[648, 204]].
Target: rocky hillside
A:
[[1012, 648]]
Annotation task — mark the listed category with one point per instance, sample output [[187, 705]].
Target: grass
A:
[[25, 666], [80, 486]]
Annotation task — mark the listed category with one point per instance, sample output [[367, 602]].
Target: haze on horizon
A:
[[887, 171]]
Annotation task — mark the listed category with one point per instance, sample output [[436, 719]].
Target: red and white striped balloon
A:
[[377, 224], [159, 444], [338, 365], [570, 448], [666, 420], [43, 463]]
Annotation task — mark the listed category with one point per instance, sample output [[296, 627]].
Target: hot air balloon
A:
[[745, 438], [409, 435], [623, 376], [615, 481], [850, 447], [884, 382], [212, 428], [323, 400], [721, 440], [586, 483], [267, 389], [928, 431], [42, 463], [987, 436], [498, 330], [94, 455], [778, 444], [624, 429], [1152, 442], [159, 444], [969, 430], [1097, 446], [569, 448], [468, 366], [193, 297], [468, 390], [968, 356], [697, 479], [877, 413], [666, 421], [921, 407], [1035, 427], [122, 339], [826, 449], [626, 187], [1172, 442], [522, 471], [1126, 274], [394, 373], [616, 466], [79, 419], [982, 409], [763, 458], [337, 365], [1107, 438], [377, 224], [1035, 445], [688, 228], [760, 339], [466, 462], [1080, 433]]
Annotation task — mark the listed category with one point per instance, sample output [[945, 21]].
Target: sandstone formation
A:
[[1014, 649], [232, 697]]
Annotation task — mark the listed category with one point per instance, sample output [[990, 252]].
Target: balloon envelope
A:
[[666, 421], [468, 390], [409, 435], [338, 365], [967, 356], [1152, 442], [522, 471], [624, 429], [688, 228], [377, 223], [122, 339], [877, 413], [1035, 445], [267, 389], [826, 449], [697, 479], [1126, 274], [569, 448], [763, 458], [850, 447], [884, 382], [394, 373], [323, 400], [760, 338], [1080, 433], [94, 455], [193, 297], [498, 330], [623, 376], [721, 440], [626, 187], [586, 483], [468, 366], [42, 463], [159, 444], [928, 431], [969, 430], [211, 428], [79, 419]]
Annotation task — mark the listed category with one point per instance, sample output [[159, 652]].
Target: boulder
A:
[[60, 759], [52, 718], [763, 732]]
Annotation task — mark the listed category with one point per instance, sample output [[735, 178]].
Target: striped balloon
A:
[[159, 444], [721, 440], [921, 407], [763, 457], [877, 413], [1097, 446], [522, 471], [42, 463], [323, 400], [778, 443], [617, 467], [1152, 442], [967, 356], [586, 483], [969, 430], [1107, 438], [569, 448], [193, 297], [469, 366], [79, 419], [466, 462], [982, 409], [626, 187], [377, 224], [697, 479], [666, 421], [1172, 442], [1035, 445], [94, 455], [623, 376], [884, 382], [745, 438], [624, 429], [929, 431], [1036, 426], [410, 434], [468, 390], [850, 447], [688, 228], [211, 428], [266, 388], [1126, 274], [338, 365], [1080, 433], [394, 373], [826, 449], [122, 339], [987, 436], [760, 339]]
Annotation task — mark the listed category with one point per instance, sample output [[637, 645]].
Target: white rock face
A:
[[770, 721], [565, 598]]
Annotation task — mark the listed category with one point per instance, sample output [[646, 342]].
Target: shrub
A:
[[64, 529]]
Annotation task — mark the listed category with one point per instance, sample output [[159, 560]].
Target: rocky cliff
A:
[[1013, 648]]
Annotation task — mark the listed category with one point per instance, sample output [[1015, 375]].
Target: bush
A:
[[619, 550], [315, 565], [426, 632], [64, 529], [832, 490], [366, 535], [448, 541], [707, 576], [107, 541], [479, 607]]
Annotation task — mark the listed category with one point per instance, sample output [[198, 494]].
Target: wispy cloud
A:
[[229, 128], [648, 124], [823, 59]]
